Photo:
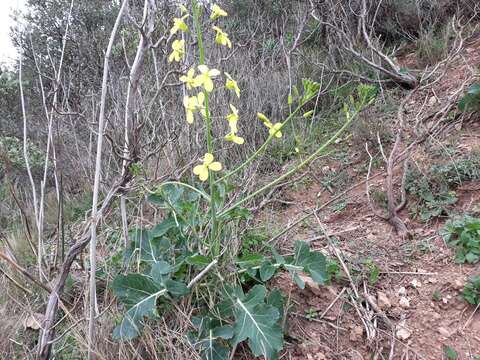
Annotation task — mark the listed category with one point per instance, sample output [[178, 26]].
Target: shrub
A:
[[471, 291], [464, 235], [471, 100]]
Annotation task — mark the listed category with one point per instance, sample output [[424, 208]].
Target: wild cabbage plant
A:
[[192, 247]]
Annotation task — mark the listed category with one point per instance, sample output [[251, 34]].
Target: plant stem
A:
[[261, 149], [208, 129], [295, 169]]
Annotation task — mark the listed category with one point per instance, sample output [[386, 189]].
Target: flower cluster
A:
[[203, 77], [273, 129]]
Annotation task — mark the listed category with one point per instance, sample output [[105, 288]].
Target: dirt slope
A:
[[415, 303]]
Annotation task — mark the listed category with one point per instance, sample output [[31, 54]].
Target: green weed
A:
[[464, 236]]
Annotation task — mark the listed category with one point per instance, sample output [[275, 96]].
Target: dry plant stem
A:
[[89, 233], [332, 303], [15, 282], [378, 60], [48, 328], [49, 115], [27, 162], [96, 187], [392, 206], [25, 272], [135, 73]]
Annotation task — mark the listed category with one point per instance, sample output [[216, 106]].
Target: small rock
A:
[[404, 302], [444, 332], [33, 321], [432, 101], [310, 284], [356, 333], [458, 284], [383, 301], [402, 291], [415, 284], [402, 332]]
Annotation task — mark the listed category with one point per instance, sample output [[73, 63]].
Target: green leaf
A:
[[266, 271], [199, 260], [450, 353], [139, 294], [257, 322], [208, 339], [249, 261], [313, 262], [164, 227], [298, 280], [278, 258], [471, 258], [161, 268], [275, 298], [176, 288]]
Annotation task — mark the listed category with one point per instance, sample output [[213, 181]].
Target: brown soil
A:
[[417, 267]]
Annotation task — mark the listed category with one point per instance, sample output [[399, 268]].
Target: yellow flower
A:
[[273, 129], [193, 104], [234, 138], [189, 79], [222, 37], [232, 122], [205, 77], [178, 47], [233, 118], [217, 11], [232, 84], [208, 164], [179, 24]]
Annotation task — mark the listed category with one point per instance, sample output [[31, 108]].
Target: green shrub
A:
[[471, 100], [435, 187], [471, 291], [464, 235]]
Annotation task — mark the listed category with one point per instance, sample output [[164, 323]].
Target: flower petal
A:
[[214, 72], [190, 117], [203, 69], [208, 159], [215, 166], [197, 170], [208, 84], [203, 175]]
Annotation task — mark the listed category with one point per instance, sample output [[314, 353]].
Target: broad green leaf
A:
[[139, 294], [275, 298], [164, 227], [199, 260], [450, 353], [267, 270], [176, 288], [148, 244], [313, 262], [257, 322], [278, 258], [161, 268], [208, 339], [252, 260], [298, 280]]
